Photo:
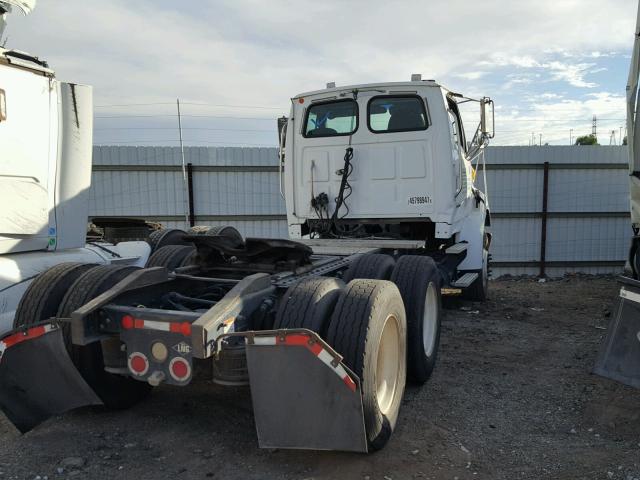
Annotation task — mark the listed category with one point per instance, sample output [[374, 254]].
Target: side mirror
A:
[[487, 117], [282, 138], [282, 130]]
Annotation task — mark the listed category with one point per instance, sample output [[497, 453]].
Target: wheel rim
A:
[[388, 364], [430, 320]]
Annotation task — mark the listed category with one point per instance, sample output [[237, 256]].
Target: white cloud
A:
[[244, 52], [471, 75], [573, 74], [555, 119]]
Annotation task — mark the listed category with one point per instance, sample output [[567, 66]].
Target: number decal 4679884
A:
[[420, 200]]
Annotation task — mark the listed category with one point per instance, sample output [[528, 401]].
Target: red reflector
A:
[[184, 328], [127, 322], [138, 363], [180, 369], [301, 100]]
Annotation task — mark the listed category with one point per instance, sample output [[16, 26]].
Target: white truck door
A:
[[28, 139]]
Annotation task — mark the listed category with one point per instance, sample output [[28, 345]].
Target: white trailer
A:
[[46, 131]]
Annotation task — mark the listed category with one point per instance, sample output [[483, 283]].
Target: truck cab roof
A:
[[24, 60], [370, 87]]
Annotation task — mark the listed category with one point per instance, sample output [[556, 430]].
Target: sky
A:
[[550, 65]]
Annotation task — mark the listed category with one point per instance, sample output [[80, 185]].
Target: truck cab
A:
[[386, 161]]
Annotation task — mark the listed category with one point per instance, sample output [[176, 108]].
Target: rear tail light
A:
[[138, 363], [180, 369], [127, 322]]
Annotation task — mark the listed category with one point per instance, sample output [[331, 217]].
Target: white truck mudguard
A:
[[619, 356], [37, 377], [303, 396]]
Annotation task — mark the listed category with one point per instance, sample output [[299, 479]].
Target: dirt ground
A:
[[512, 398]]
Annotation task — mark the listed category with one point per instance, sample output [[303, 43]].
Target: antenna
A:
[[184, 167]]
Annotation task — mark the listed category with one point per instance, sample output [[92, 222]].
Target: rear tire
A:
[[418, 280], [309, 304], [221, 230], [368, 327], [170, 256], [115, 391], [374, 266], [43, 296], [166, 236]]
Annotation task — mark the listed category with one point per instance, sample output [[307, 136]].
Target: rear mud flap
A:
[[619, 357], [37, 377], [303, 397]]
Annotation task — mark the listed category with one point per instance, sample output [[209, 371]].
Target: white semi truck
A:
[[619, 356], [46, 128], [326, 328]]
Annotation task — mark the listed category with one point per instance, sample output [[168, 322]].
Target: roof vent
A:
[[416, 77], [331, 85]]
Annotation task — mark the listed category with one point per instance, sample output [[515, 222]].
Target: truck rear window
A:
[[396, 114], [330, 119]]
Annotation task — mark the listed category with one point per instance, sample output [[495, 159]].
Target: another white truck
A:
[[46, 129], [619, 356]]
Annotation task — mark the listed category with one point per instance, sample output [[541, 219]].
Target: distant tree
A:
[[624, 140], [587, 140]]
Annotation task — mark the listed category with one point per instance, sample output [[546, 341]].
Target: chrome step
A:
[[457, 248], [465, 280]]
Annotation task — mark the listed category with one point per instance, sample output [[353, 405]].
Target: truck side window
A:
[[3, 105], [458, 129], [396, 114], [331, 119]]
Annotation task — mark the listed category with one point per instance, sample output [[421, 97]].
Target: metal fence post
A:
[[192, 215], [543, 228]]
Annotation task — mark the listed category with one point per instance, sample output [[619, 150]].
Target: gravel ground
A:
[[511, 398]]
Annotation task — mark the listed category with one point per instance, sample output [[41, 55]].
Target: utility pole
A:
[[533, 138], [594, 127], [620, 136], [540, 139], [184, 168], [571, 136]]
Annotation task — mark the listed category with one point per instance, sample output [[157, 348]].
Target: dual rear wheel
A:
[[365, 322], [58, 292], [386, 327]]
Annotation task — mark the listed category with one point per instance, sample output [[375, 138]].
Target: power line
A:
[[197, 104], [188, 128], [173, 115], [133, 142]]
